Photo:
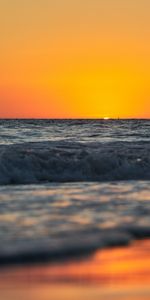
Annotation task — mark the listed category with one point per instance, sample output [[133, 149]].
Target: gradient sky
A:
[[74, 58]]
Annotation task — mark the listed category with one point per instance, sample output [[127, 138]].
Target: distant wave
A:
[[65, 162]]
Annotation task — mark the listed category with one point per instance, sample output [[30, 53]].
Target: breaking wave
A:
[[64, 161]]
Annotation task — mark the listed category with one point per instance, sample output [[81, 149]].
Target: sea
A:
[[69, 187]]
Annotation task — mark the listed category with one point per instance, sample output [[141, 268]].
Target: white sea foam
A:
[[71, 161]]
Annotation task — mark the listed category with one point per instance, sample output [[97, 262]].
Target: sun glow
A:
[[106, 118]]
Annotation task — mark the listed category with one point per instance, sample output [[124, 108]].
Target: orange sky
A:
[[74, 58]]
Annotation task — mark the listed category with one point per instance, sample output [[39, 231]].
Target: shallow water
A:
[[56, 220]]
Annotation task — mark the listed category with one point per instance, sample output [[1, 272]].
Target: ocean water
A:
[[72, 186]]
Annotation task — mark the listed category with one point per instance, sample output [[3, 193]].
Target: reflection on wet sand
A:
[[116, 273]]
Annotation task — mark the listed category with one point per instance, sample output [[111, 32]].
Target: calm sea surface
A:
[[21, 131]]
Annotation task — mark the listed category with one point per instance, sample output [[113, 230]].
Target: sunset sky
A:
[[74, 58]]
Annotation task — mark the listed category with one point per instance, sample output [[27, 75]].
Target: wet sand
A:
[[114, 273]]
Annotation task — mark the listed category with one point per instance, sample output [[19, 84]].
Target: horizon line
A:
[[77, 118]]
